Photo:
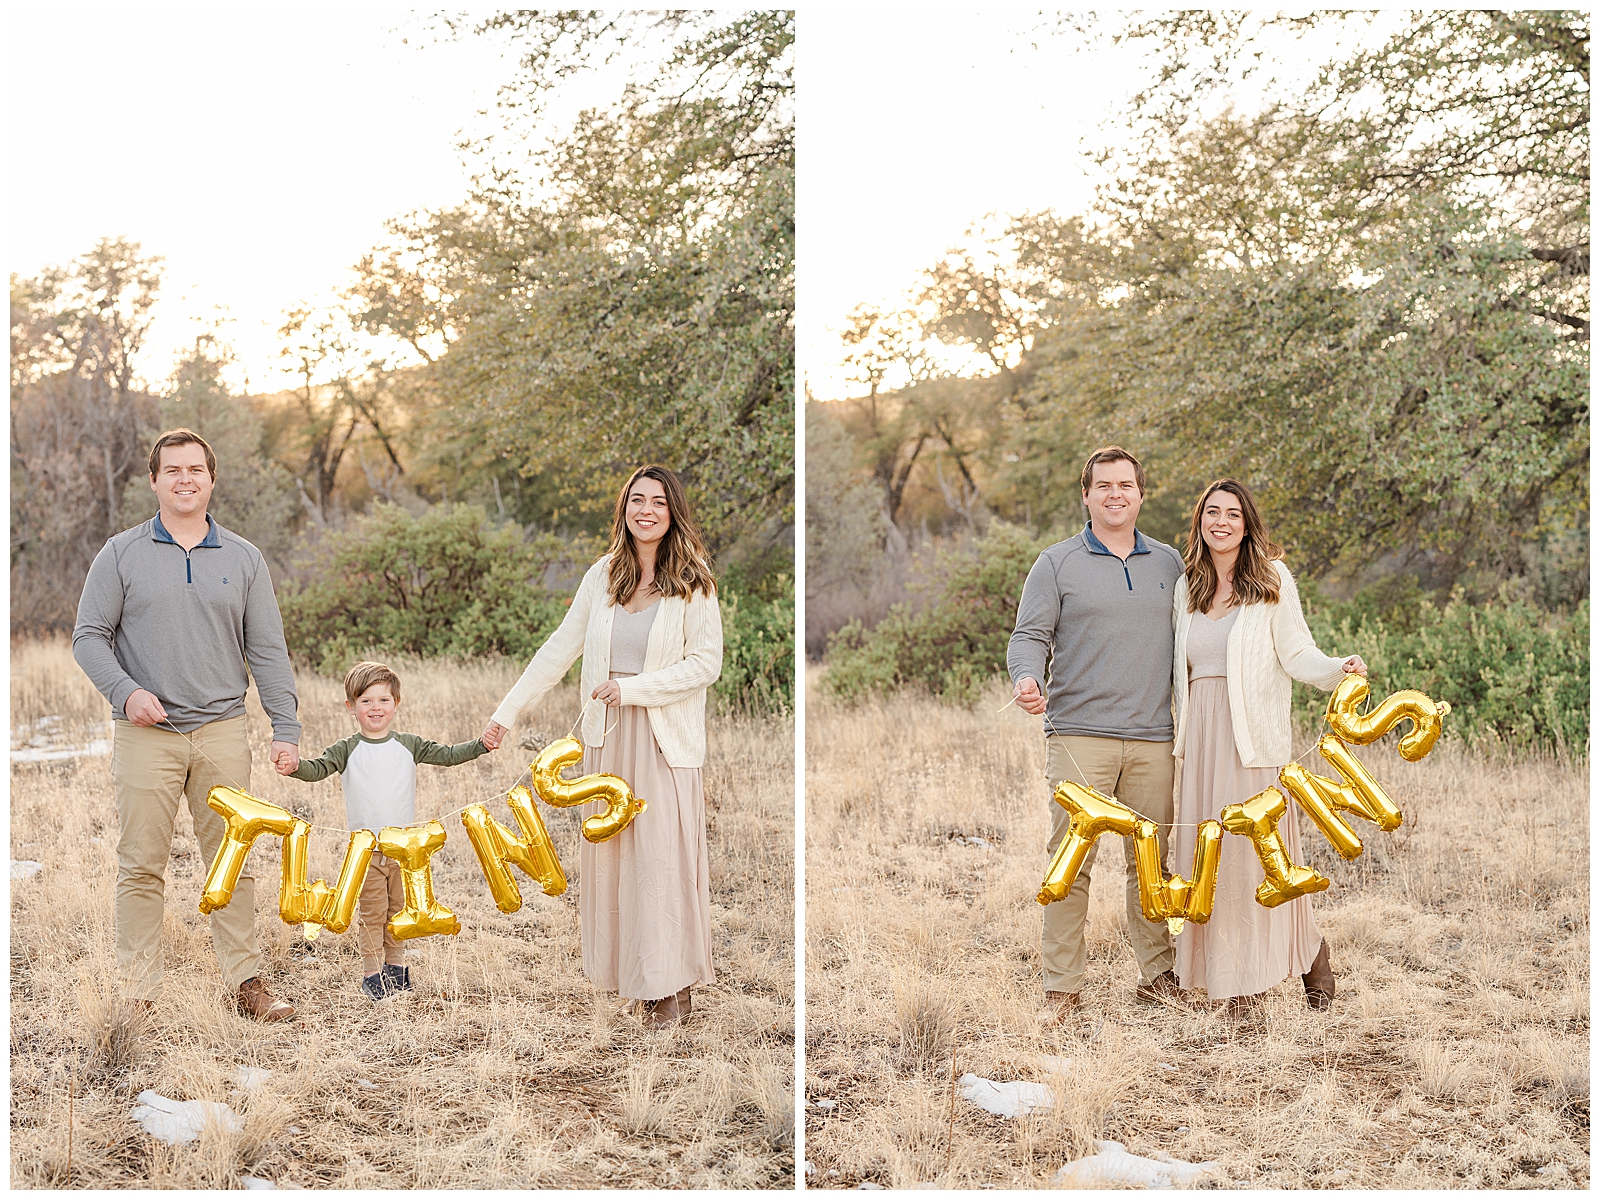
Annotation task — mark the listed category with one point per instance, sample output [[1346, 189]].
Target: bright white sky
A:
[[913, 126], [259, 150]]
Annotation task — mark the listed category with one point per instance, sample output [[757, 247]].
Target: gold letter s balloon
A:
[[247, 819], [316, 904], [1092, 815], [621, 804], [412, 847], [1257, 819], [1358, 728], [496, 847], [1177, 900]]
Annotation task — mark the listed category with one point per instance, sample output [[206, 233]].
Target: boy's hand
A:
[[492, 735], [285, 757]]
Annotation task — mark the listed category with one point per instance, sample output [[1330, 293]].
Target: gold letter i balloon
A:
[[247, 819], [621, 804], [1257, 819], [412, 847]]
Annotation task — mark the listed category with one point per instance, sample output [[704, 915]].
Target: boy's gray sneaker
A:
[[397, 979], [377, 987]]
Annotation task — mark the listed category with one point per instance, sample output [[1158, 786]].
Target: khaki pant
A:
[[151, 768], [1139, 775], [382, 895]]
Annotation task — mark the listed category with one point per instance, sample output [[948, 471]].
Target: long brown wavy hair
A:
[[683, 564], [1254, 580]]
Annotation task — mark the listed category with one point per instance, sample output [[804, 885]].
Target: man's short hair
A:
[[364, 674], [182, 437], [1111, 454]]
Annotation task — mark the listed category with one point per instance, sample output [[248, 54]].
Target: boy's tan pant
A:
[[150, 769], [1139, 774], [381, 897]]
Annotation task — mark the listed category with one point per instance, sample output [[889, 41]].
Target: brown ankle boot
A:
[[1319, 981]]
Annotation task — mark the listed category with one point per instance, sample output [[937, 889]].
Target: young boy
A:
[[379, 770]]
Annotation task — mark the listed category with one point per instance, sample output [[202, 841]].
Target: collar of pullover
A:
[[211, 539], [1096, 546]]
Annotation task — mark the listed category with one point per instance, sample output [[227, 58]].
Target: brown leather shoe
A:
[[255, 1001], [1319, 981], [1242, 1008], [1058, 1006], [669, 1011], [1163, 989]]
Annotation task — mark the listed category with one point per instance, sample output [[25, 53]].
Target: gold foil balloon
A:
[[1257, 819], [1323, 799], [1092, 815], [316, 904], [413, 847], [1358, 728], [247, 819], [1177, 899], [621, 804], [498, 849]]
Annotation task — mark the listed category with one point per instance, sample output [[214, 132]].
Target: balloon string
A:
[[237, 786], [1050, 728]]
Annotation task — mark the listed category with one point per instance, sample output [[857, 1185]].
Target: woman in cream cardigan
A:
[[646, 622], [1241, 637]]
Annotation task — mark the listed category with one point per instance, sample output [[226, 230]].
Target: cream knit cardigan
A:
[[681, 660], [1268, 644]]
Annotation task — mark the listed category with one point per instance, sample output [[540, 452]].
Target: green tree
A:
[[641, 307]]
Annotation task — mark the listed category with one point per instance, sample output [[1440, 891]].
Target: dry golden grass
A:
[[1456, 1054], [505, 1069]]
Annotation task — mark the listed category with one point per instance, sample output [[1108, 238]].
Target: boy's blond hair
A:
[[364, 674]]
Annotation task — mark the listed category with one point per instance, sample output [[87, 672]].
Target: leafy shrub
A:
[[954, 645], [446, 583], [1509, 670], [757, 652]]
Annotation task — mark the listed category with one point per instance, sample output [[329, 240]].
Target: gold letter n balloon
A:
[[498, 849], [621, 804]]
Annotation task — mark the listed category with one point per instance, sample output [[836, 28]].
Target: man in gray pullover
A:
[[1098, 609], [176, 616]]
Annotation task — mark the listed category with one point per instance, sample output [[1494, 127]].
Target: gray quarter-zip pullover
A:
[[191, 627], [1104, 627]]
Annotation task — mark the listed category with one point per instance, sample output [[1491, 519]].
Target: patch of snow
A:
[[97, 748], [295, 1129], [826, 1104], [366, 1083], [25, 868], [252, 1184], [866, 1185], [251, 1078], [1054, 1064], [811, 1168], [1113, 1165], [984, 843], [1552, 1169], [1166, 1066], [1181, 1129], [1013, 1099], [178, 1121]]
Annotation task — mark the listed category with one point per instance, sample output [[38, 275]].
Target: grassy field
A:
[[505, 1069], [1456, 1054]]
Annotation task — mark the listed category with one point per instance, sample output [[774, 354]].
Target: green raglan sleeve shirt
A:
[[331, 761], [436, 755]]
